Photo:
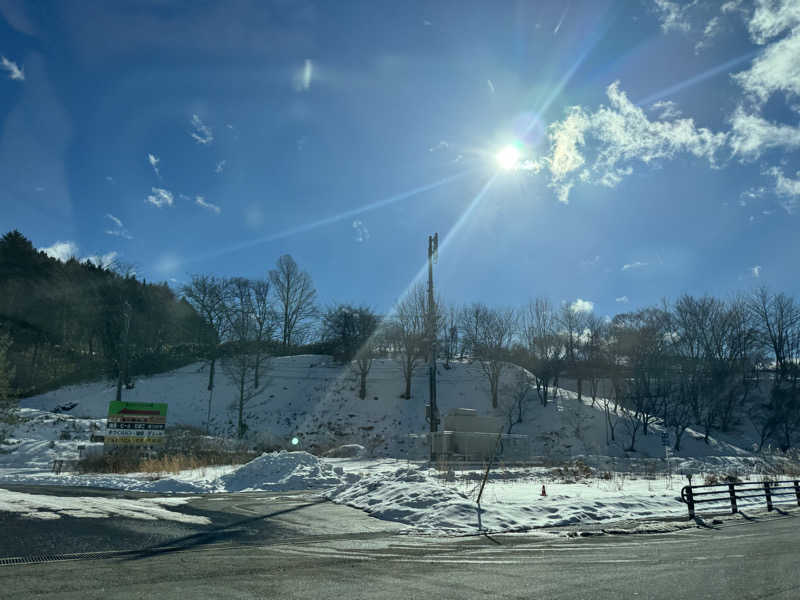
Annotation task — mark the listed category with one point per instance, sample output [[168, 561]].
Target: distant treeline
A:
[[65, 320]]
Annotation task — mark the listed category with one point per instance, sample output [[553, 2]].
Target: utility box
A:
[[470, 437], [467, 419]]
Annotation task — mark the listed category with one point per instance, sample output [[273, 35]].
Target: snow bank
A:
[[280, 471], [277, 471], [412, 496]]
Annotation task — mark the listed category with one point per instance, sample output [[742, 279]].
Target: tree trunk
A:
[[407, 393], [362, 392], [580, 388], [211, 373], [241, 404]]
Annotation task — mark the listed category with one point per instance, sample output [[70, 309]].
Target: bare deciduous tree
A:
[[208, 296], [490, 332], [351, 334], [295, 298], [543, 346], [406, 330], [240, 357]]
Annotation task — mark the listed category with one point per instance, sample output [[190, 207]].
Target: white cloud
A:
[[622, 300], [673, 16], [442, 145], [589, 262], [754, 193], [773, 17], [491, 86], [160, 197], [634, 265], [14, 71], [755, 271], [62, 251], [732, 6], [777, 69], [667, 109], [787, 188], [751, 135], [119, 229], [302, 79], [101, 260], [617, 134], [709, 33], [362, 233], [202, 133], [582, 306], [154, 160], [220, 166], [201, 201]]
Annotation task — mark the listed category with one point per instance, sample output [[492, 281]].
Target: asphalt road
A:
[[292, 546]]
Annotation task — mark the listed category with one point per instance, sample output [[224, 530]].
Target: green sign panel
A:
[[135, 423], [143, 409]]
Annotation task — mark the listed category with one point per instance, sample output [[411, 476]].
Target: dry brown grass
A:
[[131, 462]]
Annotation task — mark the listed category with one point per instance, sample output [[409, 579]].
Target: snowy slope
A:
[[315, 400]]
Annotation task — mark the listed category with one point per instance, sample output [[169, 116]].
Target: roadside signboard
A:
[[135, 423]]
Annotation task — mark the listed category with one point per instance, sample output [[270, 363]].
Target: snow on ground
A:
[[313, 399], [511, 501], [40, 506], [276, 471]]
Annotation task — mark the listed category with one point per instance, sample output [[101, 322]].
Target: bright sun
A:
[[508, 158]]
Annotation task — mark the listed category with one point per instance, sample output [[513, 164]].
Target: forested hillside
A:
[[66, 320]]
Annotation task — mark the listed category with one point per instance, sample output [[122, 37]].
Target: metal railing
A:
[[732, 493]]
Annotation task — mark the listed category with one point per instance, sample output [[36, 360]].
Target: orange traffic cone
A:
[[544, 493]]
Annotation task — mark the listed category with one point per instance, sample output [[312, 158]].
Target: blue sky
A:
[[658, 143]]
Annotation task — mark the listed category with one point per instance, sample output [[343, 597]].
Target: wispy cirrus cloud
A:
[[14, 71], [220, 166], [154, 160], [622, 300], [118, 229], [752, 134], [160, 197], [673, 16], [201, 133], [302, 78], [201, 201], [755, 271], [361, 231], [787, 188], [634, 265], [666, 109], [590, 262]]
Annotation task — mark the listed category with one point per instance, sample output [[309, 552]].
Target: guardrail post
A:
[[797, 491], [768, 494], [690, 501], [732, 493]]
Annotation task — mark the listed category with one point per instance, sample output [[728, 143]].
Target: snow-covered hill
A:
[[315, 400]]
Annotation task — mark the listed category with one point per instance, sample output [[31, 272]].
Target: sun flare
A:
[[508, 158]]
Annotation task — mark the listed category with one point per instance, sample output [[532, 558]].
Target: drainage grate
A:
[[46, 558]]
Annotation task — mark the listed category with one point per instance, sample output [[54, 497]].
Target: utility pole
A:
[[123, 356], [433, 253]]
